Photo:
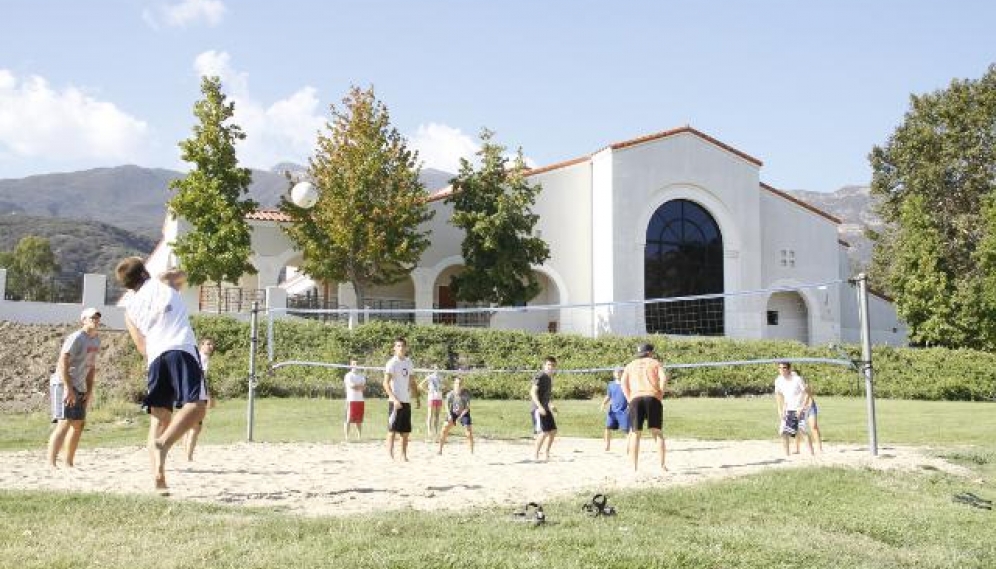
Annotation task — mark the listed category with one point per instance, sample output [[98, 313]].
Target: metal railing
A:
[[231, 299]]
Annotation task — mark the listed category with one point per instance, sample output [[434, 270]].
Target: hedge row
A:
[[902, 373]]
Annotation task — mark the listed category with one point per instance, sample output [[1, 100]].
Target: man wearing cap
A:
[[158, 324], [643, 382], [71, 386]]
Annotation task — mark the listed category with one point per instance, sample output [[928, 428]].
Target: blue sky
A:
[[807, 87]]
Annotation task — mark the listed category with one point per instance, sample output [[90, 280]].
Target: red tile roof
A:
[[800, 203], [268, 215]]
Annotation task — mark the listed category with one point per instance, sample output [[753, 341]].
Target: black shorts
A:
[[543, 423], [175, 379], [63, 412], [399, 420], [647, 410]]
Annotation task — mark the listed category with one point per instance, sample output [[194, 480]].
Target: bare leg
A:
[[191, 440], [404, 446], [359, 430], [470, 438], [539, 444], [75, 432], [549, 443], [55, 441], [183, 420], [158, 421], [390, 444], [785, 444], [634, 448], [608, 439], [443, 435], [661, 446], [345, 431], [814, 428]]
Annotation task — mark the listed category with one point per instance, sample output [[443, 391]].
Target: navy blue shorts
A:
[[175, 379], [617, 420], [465, 420]]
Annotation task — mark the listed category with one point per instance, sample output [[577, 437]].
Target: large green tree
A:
[[210, 197], [367, 226], [30, 267], [935, 179], [493, 203]]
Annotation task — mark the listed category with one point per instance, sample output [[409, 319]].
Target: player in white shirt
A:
[[157, 321], [353, 384], [433, 385], [398, 385], [791, 399]]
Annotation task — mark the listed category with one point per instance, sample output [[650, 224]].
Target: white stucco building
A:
[[677, 213]]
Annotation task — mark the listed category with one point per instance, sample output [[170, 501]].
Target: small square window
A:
[[772, 318]]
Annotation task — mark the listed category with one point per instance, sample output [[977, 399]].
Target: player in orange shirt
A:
[[643, 382]]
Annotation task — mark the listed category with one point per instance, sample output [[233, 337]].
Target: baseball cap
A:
[[89, 313], [644, 350]]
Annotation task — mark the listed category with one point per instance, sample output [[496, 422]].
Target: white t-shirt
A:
[[205, 360], [793, 390], [400, 371], [434, 386], [354, 379], [160, 315]]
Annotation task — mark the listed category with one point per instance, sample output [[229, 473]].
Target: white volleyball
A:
[[304, 194]]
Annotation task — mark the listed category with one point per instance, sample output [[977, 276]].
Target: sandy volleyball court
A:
[[343, 478]]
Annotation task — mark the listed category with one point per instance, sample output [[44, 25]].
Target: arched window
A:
[[683, 257]]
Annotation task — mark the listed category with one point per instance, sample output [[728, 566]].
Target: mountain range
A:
[[121, 210]]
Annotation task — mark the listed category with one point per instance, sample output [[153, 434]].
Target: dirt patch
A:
[[28, 355]]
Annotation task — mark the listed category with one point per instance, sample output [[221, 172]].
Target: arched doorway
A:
[[788, 317], [683, 257]]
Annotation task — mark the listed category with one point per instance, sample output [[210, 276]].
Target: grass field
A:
[[811, 517]]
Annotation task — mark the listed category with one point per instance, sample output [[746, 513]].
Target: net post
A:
[[253, 341], [866, 360]]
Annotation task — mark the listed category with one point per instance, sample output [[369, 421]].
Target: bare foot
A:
[[161, 487], [160, 455]]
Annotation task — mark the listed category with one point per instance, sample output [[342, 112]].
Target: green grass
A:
[[843, 420], [802, 518], [811, 517]]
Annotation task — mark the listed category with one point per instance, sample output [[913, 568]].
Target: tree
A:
[[935, 180], [492, 204], [365, 228], [30, 266], [218, 247]]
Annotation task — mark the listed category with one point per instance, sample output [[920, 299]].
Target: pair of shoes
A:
[[971, 499], [598, 506]]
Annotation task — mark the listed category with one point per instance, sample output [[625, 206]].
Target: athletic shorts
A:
[[435, 403], [543, 423], [399, 420], [63, 412], [813, 410], [175, 379], [617, 420], [465, 420], [646, 410], [790, 424], [354, 412]]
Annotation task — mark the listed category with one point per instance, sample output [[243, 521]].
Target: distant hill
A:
[[854, 206], [132, 197], [79, 246]]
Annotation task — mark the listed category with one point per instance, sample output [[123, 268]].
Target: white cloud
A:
[[285, 130], [441, 147], [186, 13], [37, 121]]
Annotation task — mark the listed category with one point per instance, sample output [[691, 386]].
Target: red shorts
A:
[[354, 411], [435, 403]]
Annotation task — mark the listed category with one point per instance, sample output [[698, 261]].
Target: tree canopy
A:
[[29, 267], [218, 246], [366, 227], [492, 204], [935, 179]]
